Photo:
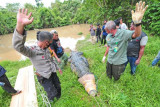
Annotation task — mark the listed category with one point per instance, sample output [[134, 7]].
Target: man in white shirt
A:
[[122, 25]]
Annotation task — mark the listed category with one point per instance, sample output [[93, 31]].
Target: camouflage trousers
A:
[[64, 59], [93, 39]]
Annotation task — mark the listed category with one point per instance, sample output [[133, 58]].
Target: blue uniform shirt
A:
[[104, 31], [2, 71]]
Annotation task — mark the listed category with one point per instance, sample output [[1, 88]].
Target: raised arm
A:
[[23, 20], [137, 17], [19, 35]]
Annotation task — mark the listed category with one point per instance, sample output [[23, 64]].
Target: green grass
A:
[[80, 33], [142, 89], [12, 68]]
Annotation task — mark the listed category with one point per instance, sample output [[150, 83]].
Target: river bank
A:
[[139, 90], [67, 34]]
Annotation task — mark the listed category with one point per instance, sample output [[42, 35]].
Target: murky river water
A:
[[68, 36]]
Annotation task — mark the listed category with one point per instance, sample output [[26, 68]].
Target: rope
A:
[[44, 97], [96, 101], [97, 84], [100, 77]]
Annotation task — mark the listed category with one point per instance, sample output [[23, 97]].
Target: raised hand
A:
[[23, 19], [139, 12]]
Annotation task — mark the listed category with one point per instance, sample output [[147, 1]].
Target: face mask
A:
[[48, 45]]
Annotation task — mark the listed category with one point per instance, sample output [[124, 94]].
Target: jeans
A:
[[155, 61], [93, 39], [64, 60], [132, 61]]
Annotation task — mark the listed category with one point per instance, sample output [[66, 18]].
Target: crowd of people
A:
[[123, 46]]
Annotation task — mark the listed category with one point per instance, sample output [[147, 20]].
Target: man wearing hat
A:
[[39, 55], [58, 50]]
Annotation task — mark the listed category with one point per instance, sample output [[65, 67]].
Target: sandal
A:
[[18, 92]]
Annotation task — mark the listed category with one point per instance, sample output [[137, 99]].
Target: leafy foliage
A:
[[80, 11], [59, 14], [152, 19], [8, 18], [80, 33]]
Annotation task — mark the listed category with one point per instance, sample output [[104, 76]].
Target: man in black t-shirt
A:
[[58, 50], [135, 49]]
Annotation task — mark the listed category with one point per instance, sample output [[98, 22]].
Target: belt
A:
[[37, 74]]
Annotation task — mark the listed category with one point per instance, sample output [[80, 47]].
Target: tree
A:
[[12, 7], [39, 3]]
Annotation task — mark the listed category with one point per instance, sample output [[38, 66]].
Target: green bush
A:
[[76, 11], [59, 14], [80, 33], [12, 68], [152, 19]]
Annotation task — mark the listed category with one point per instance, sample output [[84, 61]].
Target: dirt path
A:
[[68, 34]]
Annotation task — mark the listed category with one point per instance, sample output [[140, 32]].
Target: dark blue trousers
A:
[[7, 86], [133, 66], [51, 86]]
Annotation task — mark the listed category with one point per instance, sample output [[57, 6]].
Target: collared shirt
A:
[[2, 71], [40, 58], [118, 46]]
